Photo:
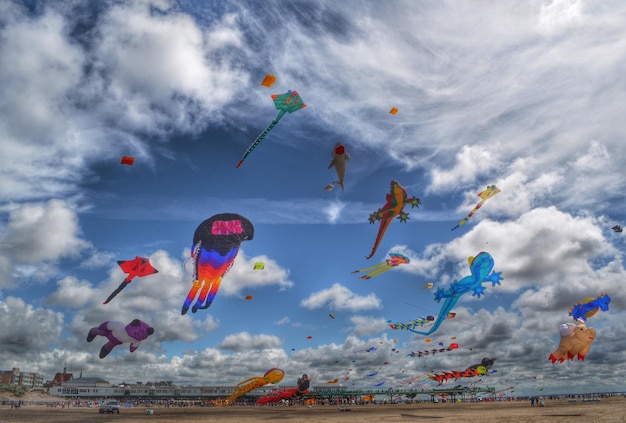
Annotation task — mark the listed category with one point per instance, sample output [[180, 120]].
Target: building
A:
[[59, 378], [17, 377]]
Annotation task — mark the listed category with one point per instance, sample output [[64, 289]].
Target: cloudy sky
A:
[[528, 96]]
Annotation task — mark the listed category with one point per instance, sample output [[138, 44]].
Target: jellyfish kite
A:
[[215, 246], [138, 267], [288, 102], [481, 267], [395, 260], [484, 195], [397, 198]]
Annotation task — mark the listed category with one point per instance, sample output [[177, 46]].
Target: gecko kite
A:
[[484, 195], [589, 306], [397, 198], [395, 260], [340, 160], [138, 267], [215, 246], [481, 268], [288, 102]]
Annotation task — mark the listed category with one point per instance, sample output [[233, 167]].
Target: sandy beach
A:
[[607, 410]]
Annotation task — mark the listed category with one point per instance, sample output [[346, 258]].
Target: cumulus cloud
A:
[[243, 277], [245, 341], [338, 297]]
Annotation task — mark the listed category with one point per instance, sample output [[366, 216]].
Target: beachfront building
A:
[[17, 377]]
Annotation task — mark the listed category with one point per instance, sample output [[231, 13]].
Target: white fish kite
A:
[[484, 195], [340, 160]]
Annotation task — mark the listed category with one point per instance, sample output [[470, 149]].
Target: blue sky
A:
[[526, 96]]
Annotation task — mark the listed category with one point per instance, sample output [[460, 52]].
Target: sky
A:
[[528, 96]]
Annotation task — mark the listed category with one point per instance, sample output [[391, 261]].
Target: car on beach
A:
[[110, 407]]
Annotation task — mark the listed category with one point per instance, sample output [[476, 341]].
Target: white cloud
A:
[[245, 341], [243, 277], [338, 297]]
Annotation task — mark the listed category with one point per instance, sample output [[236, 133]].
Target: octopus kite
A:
[[481, 267], [215, 246], [397, 198], [484, 195], [395, 260]]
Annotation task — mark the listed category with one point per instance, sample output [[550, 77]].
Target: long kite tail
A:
[[258, 140], [117, 291], [462, 222]]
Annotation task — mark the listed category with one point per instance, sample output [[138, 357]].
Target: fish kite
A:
[[589, 306], [215, 246], [288, 102], [484, 195], [138, 267], [481, 268], [397, 198], [395, 260], [340, 160]]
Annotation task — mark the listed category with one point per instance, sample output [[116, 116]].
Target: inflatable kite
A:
[[484, 195], [276, 396], [215, 246], [481, 267], [420, 321], [340, 161], [288, 102], [457, 374], [397, 198], [486, 363], [138, 267], [395, 260], [589, 306], [271, 376], [575, 341], [118, 333]]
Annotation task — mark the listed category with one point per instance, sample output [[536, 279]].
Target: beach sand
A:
[[607, 410]]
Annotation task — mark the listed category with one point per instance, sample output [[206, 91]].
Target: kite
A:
[[589, 306], [420, 321], [575, 341], [484, 195], [309, 337], [481, 267], [486, 362], [457, 374], [288, 102], [397, 198], [138, 267], [248, 297], [118, 333], [271, 376], [420, 354], [617, 228], [340, 161], [215, 246], [429, 285], [126, 160], [380, 384], [373, 271], [332, 316], [332, 381], [372, 374], [259, 265], [302, 389], [269, 80], [393, 111]]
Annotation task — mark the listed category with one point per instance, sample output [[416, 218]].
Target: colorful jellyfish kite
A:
[[484, 195], [575, 342], [395, 260], [589, 306], [340, 161], [138, 267], [215, 246], [397, 198], [481, 267], [288, 102]]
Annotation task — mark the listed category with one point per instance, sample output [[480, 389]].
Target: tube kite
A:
[[397, 198], [215, 246], [288, 102], [481, 267], [138, 267], [340, 160], [484, 195], [395, 260]]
